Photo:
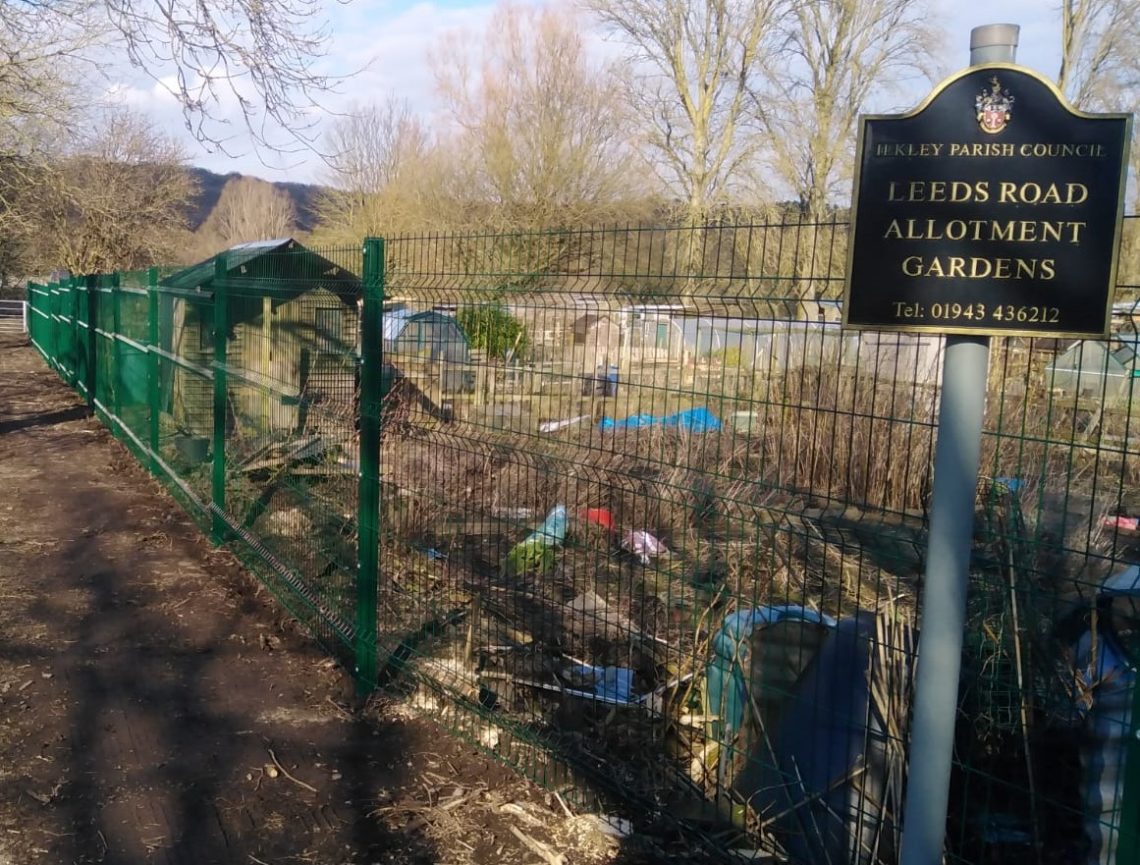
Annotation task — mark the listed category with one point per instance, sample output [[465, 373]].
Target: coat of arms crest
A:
[[993, 107]]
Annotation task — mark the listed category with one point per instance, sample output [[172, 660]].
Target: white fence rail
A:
[[13, 316]]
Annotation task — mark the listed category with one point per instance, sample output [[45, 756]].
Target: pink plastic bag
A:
[[643, 545]]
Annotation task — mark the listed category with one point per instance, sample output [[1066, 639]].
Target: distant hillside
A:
[[210, 185]]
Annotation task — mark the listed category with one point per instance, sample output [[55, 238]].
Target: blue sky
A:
[[386, 43]]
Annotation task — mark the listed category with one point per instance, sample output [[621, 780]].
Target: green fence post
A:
[[77, 283], [57, 337], [30, 325], [60, 340], [60, 312], [53, 322], [90, 343], [116, 357], [103, 364], [79, 332], [218, 480], [46, 330], [29, 293], [73, 331], [49, 323], [153, 367], [1128, 844], [49, 334], [368, 519], [60, 332]]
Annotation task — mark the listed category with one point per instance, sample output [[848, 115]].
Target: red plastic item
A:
[[599, 517], [1128, 524]]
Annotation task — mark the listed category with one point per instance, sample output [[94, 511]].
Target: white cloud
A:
[[155, 97], [392, 56]]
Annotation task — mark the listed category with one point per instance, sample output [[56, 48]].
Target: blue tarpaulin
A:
[[696, 420]]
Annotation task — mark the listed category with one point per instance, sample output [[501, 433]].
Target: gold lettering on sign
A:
[[977, 267], [938, 191], [1038, 150], [973, 222], [927, 148], [1037, 193], [1054, 151], [994, 231], [982, 149], [1002, 231], [962, 192]]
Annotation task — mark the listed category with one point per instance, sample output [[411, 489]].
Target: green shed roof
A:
[[283, 258]]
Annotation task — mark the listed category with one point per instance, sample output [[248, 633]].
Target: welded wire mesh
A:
[[39, 328], [652, 526], [253, 426], [646, 506], [291, 372]]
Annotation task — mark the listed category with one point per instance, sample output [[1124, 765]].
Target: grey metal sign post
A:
[[948, 557], [944, 598]]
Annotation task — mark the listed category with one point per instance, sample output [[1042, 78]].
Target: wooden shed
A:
[[293, 341], [595, 340]]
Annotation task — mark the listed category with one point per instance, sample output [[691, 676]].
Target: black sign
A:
[[994, 207]]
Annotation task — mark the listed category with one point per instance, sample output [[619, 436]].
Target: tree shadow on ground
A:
[[175, 724], [48, 418]]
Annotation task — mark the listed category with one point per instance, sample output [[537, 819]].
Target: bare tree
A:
[[113, 201], [1100, 66], [837, 55], [41, 76], [839, 52], [378, 157], [260, 55], [372, 147], [249, 209], [701, 58], [538, 132], [1099, 63]]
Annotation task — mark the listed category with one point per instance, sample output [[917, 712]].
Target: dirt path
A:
[[147, 688]]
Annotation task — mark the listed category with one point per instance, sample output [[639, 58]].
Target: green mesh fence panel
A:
[[647, 508], [133, 368], [290, 435], [39, 317], [650, 526]]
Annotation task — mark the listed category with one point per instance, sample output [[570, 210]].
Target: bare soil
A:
[[157, 707]]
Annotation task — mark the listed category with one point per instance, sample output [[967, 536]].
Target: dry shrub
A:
[[1075, 462], [848, 437]]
